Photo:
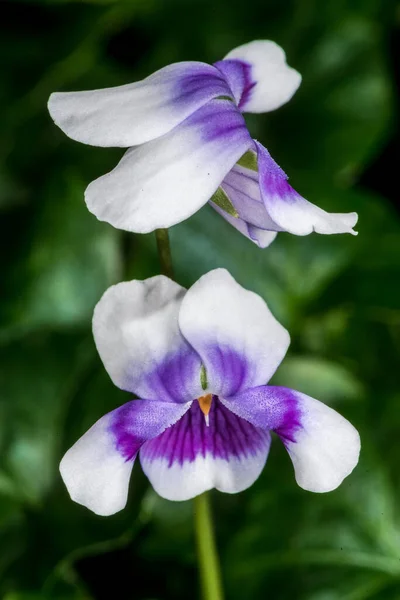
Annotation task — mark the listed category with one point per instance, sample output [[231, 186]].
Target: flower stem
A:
[[164, 252], [206, 549]]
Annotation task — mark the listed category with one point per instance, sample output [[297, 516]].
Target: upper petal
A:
[[191, 457], [97, 469], [135, 327], [290, 211], [259, 76], [137, 112], [240, 342], [323, 445], [167, 180]]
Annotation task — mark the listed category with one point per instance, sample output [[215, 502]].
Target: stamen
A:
[[205, 407]]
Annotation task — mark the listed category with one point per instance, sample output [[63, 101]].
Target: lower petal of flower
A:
[[323, 445], [97, 469], [290, 211], [192, 456]]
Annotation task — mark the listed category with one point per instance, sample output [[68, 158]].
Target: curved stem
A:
[[210, 573], [164, 252]]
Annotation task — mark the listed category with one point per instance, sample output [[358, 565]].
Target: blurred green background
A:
[[339, 297]]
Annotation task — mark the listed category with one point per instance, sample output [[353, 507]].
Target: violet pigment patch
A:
[[227, 436], [186, 134], [209, 424]]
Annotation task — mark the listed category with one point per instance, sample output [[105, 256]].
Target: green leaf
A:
[[319, 378], [38, 376], [70, 261]]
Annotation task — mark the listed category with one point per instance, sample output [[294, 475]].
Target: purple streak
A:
[[140, 420], [238, 75], [269, 407], [221, 119], [199, 84], [227, 436], [227, 369], [176, 379], [274, 185]]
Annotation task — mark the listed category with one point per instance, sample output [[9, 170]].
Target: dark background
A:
[[338, 296]]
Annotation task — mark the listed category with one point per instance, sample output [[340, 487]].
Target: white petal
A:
[[97, 469], [261, 237], [237, 337], [137, 112], [274, 81], [167, 180], [323, 445], [135, 326], [290, 211], [190, 457], [95, 474], [183, 482], [325, 450]]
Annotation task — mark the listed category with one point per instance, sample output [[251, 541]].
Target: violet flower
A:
[[189, 144], [199, 361]]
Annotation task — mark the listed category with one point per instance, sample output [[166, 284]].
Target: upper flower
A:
[[199, 361], [186, 125]]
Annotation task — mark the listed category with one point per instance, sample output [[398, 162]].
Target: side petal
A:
[[135, 327], [323, 445], [97, 469], [135, 113], [240, 342], [167, 180], [261, 237], [242, 187], [290, 211], [191, 457], [259, 76]]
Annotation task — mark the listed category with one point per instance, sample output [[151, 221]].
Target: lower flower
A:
[[199, 361]]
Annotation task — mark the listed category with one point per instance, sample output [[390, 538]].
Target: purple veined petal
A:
[[259, 76], [191, 457], [239, 76], [135, 327], [261, 237], [97, 469], [290, 211], [136, 113], [323, 446], [238, 339], [165, 181], [243, 190]]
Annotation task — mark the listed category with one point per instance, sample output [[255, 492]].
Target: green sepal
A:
[[222, 200], [249, 160]]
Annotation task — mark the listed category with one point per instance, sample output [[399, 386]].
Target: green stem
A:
[[206, 549], [164, 252]]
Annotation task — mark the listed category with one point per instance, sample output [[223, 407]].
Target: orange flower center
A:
[[205, 406]]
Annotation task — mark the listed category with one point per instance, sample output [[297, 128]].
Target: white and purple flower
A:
[[189, 144], [199, 361]]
